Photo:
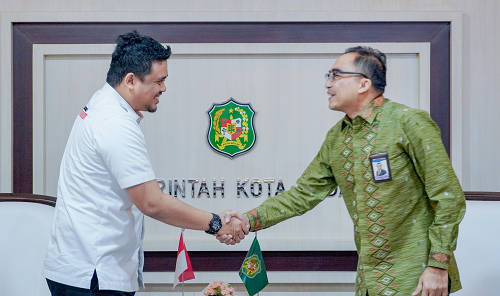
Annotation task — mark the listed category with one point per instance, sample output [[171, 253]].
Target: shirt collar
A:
[[369, 113], [111, 91]]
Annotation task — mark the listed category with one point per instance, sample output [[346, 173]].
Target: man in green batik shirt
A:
[[405, 224]]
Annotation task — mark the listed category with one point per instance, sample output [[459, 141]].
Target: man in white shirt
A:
[[107, 184]]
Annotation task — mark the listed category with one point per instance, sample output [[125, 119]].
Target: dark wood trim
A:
[[22, 112], [482, 195], [237, 32], [25, 197], [440, 84], [274, 260], [26, 34]]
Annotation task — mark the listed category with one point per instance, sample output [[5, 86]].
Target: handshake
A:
[[235, 226]]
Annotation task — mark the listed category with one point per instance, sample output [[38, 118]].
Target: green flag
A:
[[253, 271]]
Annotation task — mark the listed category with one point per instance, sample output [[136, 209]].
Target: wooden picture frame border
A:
[[25, 34]]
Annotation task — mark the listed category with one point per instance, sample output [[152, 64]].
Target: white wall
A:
[[292, 116], [475, 255]]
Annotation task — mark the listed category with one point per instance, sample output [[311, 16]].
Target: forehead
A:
[[345, 62], [158, 70]]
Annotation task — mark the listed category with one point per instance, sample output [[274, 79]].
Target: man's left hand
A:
[[433, 282]]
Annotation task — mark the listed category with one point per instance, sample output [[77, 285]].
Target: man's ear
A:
[[129, 80], [365, 85]]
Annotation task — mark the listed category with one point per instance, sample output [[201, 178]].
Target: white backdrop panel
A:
[[285, 85]]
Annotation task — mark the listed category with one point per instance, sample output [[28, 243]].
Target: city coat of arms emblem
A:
[[231, 130], [251, 266]]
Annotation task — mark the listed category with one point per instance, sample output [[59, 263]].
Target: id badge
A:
[[380, 167]]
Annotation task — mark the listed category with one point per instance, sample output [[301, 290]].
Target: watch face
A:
[[217, 225]]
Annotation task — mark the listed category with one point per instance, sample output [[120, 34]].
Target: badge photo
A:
[[380, 167]]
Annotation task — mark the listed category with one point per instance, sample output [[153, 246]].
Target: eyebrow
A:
[[336, 70]]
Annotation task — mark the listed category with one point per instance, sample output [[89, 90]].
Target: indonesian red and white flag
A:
[[183, 269]]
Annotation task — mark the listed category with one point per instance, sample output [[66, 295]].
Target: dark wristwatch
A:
[[215, 225]]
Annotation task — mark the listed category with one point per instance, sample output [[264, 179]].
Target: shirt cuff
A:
[[253, 217], [439, 258]]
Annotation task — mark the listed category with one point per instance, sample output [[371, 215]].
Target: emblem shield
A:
[[231, 130], [251, 266]]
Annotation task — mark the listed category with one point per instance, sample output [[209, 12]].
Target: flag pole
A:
[[182, 232], [182, 284], [258, 293]]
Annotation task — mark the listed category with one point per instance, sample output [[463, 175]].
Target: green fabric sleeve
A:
[[433, 166], [315, 184]]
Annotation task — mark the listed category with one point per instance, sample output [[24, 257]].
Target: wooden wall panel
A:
[[26, 34]]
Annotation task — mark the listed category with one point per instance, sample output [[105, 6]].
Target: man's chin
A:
[[152, 110], [334, 106]]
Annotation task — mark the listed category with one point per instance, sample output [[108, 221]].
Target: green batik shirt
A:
[[401, 226]]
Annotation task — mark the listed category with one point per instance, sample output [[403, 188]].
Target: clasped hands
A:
[[235, 226]]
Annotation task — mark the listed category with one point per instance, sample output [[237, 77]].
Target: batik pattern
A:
[[401, 226]]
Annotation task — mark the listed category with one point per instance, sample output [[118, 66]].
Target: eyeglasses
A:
[[334, 75]]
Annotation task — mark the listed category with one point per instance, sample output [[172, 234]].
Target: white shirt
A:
[[96, 225]]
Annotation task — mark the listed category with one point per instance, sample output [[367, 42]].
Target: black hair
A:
[[135, 53], [372, 63]]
